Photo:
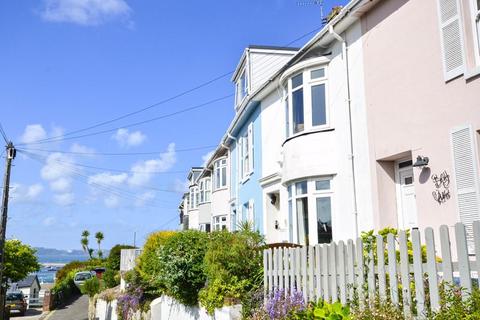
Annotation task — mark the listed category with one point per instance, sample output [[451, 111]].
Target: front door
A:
[[407, 206]]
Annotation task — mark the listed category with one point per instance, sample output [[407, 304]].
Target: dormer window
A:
[[241, 87]]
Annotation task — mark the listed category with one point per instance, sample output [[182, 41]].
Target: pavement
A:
[[77, 309]]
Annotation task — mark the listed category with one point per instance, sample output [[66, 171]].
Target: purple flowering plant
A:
[[129, 303], [281, 304]]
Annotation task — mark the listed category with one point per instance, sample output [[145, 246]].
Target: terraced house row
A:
[[374, 122]]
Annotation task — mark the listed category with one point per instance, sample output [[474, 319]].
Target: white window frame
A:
[[204, 190], [194, 197], [475, 17], [246, 154], [307, 84], [241, 88], [220, 223], [311, 195], [220, 180]]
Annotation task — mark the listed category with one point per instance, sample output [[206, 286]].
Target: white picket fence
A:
[[339, 271]]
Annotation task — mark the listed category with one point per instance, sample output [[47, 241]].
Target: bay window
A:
[[306, 101], [220, 173], [310, 211], [476, 19]]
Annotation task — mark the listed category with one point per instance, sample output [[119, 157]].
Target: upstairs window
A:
[[306, 101], [476, 19], [220, 173], [205, 190], [245, 149], [241, 87], [194, 198]]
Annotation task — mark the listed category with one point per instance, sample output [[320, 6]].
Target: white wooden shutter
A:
[[451, 38], [466, 175], [250, 148]]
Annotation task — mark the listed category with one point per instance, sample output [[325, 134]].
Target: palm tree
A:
[[84, 241], [99, 236]]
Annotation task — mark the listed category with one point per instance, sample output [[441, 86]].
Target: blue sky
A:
[[68, 64]]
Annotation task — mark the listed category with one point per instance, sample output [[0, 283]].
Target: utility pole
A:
[[10, 155]]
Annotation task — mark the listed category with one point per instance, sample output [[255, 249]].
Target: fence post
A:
[[270, 271], [291, 253], [341, 272], [360, 272], [351, 269], [286, 270], [418, 273], [463, 261], [311, 281], [265, 272], [381, 268], [333, 271], [405, 273], [298, 280], [392, 268], [432, 269], [318, 272], [447, 268], [371, 275], [476, 241], [326, 291]]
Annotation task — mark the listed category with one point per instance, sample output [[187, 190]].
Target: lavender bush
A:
[[280, 305], [129, 303]]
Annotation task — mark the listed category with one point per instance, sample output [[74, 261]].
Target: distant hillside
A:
[[49, 255]]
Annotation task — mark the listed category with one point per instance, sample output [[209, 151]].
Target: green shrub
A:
[[149, 262], [180, 266], [323, 310], [378, 310], [219, 293], [91, 287], [234, 269], [453, 307], [111, 276]]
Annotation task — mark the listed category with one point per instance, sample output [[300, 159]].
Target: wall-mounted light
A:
[[421, 162], [277, 225]]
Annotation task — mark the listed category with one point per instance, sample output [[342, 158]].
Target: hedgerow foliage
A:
[[180, 265]]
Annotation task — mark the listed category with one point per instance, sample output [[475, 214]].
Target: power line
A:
[[4, 135], [65, 136], [117, 153], [136, 123], [123, 194], [183, 93]]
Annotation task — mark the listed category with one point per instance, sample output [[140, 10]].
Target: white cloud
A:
[[64, 199], [142, 171], [207, 157], [144, 198], [48, 221], [181, 185], [33, 133], [78, 148], [111, 201], [58, 166], [107, 178], [61, 185], [127, 139], [85, 12], [22, 193]]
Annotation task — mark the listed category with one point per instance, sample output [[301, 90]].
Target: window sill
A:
[[220, 189], [245, 179], [472, 73], [305, 133]]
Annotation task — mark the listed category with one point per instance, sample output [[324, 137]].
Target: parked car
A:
[[82, 276], [16, 302]]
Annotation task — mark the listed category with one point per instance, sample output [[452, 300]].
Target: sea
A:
[[52, 263]]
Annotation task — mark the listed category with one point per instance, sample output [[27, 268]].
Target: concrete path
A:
[[76, 310]]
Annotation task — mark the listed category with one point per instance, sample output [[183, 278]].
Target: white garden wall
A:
[[166, 308]]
